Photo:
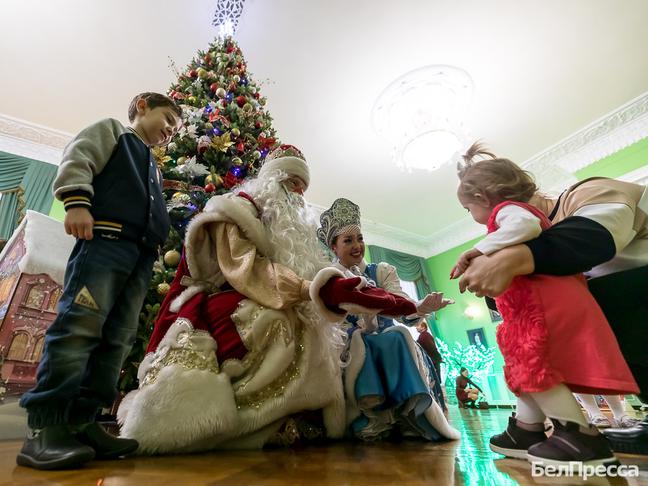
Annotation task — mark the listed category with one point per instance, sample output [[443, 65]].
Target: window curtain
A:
[[24, 184], [410, 268]]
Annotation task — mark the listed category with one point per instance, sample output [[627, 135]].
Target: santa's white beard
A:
[[291, 226]]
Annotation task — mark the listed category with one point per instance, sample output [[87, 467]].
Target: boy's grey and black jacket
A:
[[108, 169]]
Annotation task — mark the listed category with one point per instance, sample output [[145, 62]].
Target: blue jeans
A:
[[105, 284]]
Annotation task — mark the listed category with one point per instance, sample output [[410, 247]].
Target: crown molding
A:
[[30, 140], [555, 166]]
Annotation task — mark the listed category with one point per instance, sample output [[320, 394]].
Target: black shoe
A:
[[106, 446], [515, 441], [568, 444], [53, 447], [633, 440]]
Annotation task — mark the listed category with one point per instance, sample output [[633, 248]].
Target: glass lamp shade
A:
[[421, 115]]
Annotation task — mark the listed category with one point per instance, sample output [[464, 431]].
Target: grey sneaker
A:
[[626, 422], [568, 444]]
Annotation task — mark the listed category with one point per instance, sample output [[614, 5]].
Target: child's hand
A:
[[78, 223], [463, 262]]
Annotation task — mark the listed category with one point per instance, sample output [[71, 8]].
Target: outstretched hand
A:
[[432, 302]]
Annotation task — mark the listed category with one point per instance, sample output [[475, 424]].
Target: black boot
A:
[[569, 443], [106, 446], [53, 447], [515, 440], [632, 441]]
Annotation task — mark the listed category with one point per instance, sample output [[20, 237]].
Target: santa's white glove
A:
[[432, 302]]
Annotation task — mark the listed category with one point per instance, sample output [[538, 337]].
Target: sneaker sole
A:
[[628, 446], [64, 463], [513, 453], [543, 462]]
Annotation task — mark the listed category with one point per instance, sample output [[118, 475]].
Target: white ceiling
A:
[[542, 70]]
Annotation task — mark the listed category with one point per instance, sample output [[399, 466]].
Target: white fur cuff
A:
[[322, 277]]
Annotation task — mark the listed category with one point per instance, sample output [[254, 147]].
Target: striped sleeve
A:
[[77, 199]]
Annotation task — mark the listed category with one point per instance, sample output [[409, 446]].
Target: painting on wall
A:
[[476, 337]]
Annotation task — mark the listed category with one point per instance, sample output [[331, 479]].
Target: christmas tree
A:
[[477, 359], [226, 134]]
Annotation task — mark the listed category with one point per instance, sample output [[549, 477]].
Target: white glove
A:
[[432, 302]]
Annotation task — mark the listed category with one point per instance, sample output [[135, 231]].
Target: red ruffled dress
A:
[[553, 331]]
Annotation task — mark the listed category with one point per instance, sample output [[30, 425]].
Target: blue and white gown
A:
[[389, 380]]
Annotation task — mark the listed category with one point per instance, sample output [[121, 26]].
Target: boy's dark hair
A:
[[153, 100], [462, 370]]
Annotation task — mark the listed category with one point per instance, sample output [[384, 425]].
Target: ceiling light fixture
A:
[[422, 115]]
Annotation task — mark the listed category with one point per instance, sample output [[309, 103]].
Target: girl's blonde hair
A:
[[493, 177]]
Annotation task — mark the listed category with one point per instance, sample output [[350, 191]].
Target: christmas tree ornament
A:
[[181, 160], [163, 288], [236, 132], [213, 87], [180, 198], [220, 92], [172, 258], [241, 100], [222, 143]]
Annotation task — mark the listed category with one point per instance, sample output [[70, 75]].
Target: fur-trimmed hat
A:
[[289, 159], [342, 217]]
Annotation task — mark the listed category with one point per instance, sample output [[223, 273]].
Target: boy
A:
[[111, 189]]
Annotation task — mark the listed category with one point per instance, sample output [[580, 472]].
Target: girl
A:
[[552, 325]]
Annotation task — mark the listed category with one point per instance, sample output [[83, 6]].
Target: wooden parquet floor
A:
[[468, 461]]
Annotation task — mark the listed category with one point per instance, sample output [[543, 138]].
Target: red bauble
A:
[[193, 73], [241, 100], [257, 95], [230, 180], [257, 125], [240, 147], [210, 187], [213, 87], [229, 49]]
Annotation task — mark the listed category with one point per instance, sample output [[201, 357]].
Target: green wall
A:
[[619, 163], [57, 211]]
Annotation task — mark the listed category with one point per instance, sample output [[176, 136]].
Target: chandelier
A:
[[421, 115]]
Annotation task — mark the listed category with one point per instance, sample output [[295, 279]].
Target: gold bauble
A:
[[163, 288], [172, 258], [181, 198]]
